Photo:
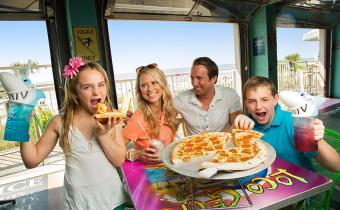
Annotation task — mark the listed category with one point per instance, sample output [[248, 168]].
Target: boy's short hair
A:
[[256, 81], [209, 64]]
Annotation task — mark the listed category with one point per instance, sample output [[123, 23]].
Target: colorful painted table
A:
[[156, 187]]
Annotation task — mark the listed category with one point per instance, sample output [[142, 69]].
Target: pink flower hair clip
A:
[[71, 69]]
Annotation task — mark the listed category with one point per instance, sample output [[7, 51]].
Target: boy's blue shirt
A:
[[280, 134]]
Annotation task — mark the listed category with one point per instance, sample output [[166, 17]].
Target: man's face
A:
[[200, 80], [261, 104]]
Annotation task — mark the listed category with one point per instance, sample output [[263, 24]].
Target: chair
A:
[[3, 202], [182, 124], [125, 105], [322, 201]]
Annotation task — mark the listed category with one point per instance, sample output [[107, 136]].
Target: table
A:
[[283, 183], [329, 113]]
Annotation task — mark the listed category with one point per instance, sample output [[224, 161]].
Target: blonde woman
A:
[[155, 117], [89, 146]]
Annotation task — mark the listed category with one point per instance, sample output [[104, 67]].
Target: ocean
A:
[[132, 75]]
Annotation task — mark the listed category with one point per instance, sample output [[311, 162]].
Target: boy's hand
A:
[[243, 122], [319, 129]]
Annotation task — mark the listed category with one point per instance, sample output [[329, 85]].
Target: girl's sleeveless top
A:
[[91, 181]]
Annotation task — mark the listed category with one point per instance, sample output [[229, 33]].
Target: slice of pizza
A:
[[248, 152], [199, 146], [104, 112]]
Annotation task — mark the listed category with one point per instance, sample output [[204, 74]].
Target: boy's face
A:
[[261, 104]]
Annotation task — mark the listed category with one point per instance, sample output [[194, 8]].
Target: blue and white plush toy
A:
[[22, 100], [301, 104]]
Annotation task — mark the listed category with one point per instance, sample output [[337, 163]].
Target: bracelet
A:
[[130, 155]]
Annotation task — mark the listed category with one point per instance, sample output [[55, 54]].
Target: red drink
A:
[[304, 139]]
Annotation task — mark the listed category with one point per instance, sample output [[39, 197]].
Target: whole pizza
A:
[[235, 151]]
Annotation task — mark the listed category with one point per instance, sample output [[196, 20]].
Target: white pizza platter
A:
[[191, 169]]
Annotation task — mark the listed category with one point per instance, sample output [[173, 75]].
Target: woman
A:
[[155, 118]]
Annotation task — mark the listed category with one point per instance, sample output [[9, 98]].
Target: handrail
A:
[[329, 131]]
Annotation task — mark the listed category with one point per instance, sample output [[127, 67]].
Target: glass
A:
[[304, 138], [159, 145], [150, 66]]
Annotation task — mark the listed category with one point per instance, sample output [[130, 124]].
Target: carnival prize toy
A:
[[21, 99]]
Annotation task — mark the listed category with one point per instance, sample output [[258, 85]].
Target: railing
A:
[[305, 76], [177, 83]]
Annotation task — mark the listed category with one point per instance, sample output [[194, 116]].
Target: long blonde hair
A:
[[71, 103], [168, 108]]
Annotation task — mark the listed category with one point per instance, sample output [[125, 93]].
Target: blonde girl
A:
[[92, 150], [155, 117]]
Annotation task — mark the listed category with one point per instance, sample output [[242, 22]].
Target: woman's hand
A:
[[148, 155]]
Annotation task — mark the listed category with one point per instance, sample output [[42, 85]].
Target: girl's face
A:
[[91, 89], [151, 90], [261, 104]]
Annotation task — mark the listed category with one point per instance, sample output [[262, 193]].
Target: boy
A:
[[261, 100]]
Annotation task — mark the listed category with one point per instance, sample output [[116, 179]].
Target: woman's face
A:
[[91, 89], [151, 90]]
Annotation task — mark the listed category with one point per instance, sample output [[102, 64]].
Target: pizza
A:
[[104, 112], [199, 146], [238, 150]]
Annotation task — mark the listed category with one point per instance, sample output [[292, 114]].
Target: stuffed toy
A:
[[22, 99], [301, 104]]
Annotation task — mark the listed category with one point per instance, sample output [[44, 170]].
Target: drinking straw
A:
[[140, 124]]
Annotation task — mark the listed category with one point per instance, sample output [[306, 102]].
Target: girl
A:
[[92, 150], [155, 118]]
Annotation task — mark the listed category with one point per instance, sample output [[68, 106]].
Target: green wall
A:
[[335, 89], [262, 43], [82, 14]]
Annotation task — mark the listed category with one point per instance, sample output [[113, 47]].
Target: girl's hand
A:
[[103, 129]]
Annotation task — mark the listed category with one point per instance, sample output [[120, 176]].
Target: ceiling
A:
[[290, 13], [20, 9], [310, 13]]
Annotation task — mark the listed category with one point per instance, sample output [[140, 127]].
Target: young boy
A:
[[261, 100]]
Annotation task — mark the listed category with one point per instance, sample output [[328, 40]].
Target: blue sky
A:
[[135, 43]]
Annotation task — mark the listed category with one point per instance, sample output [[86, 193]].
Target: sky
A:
[[136, 43]]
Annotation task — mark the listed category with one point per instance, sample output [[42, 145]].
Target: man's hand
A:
[[243, 122], [128, 116]]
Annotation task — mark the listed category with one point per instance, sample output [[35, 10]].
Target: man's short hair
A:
[[257, 81], [209, 64]]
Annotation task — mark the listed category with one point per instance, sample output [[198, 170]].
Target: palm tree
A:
[[292, 61], [293, 57]]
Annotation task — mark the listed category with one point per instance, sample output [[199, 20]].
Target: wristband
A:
[[130, 155]]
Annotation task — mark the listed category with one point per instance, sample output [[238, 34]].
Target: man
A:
[[209, 107]]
